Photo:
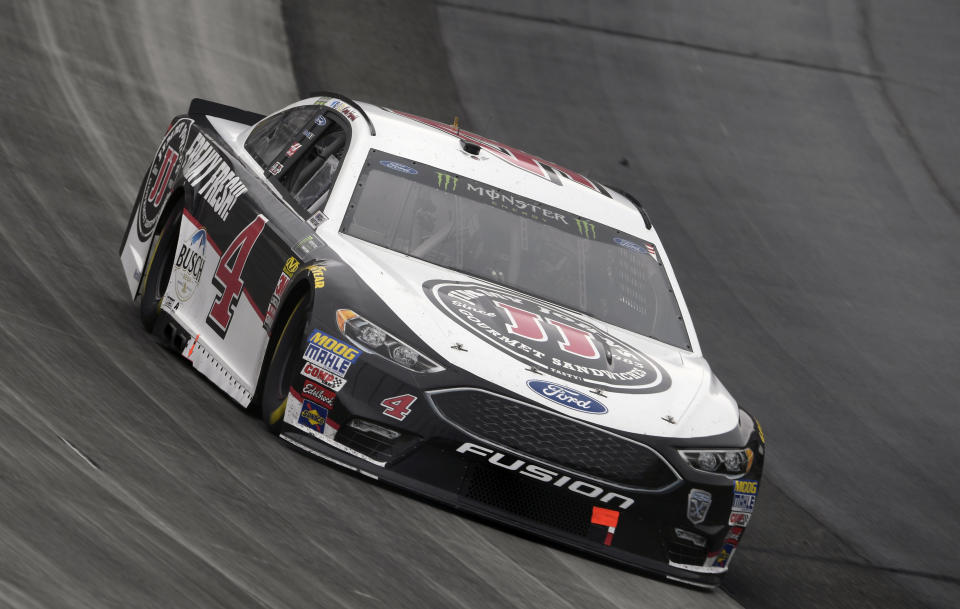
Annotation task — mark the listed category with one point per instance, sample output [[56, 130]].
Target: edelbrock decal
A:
[[547, 337], [166, 166], [567, 397], [188, 267]]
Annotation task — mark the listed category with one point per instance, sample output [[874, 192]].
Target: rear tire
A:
[[158, 269], [282, 365]]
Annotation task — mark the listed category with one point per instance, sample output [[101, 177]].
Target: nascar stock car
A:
[[445, 313]]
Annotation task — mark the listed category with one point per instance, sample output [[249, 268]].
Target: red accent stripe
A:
[[608, 540], [196, 223]]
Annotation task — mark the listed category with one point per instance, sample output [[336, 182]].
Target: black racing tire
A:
[[283, 364], [158, 268]]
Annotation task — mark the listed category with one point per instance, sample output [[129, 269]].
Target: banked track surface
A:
[[127, 480]]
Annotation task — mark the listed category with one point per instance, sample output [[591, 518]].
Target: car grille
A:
[[551, 437]]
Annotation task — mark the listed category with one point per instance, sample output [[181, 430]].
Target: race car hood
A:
[[564, 360]]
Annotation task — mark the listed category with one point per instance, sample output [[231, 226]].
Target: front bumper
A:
[[436, 458]]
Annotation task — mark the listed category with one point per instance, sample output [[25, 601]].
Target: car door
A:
[[243, 237]]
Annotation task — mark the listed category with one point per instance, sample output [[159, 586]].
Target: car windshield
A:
[[468, 226]]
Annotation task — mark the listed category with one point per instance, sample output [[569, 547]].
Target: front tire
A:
[[283, 366]]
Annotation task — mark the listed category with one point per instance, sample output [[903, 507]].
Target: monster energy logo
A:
[[446, 182], [587, 229]]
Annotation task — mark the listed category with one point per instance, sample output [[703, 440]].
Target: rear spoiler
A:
[[206, 107]]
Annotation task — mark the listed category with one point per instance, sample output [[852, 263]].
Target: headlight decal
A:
[[373, 339], [735, 462]]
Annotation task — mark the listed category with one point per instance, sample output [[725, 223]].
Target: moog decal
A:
[[548, 338]]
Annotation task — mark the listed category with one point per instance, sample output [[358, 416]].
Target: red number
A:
[[163, 176], [524, 323], [398, 407], [227, 276], [529, 325], [576, 341]]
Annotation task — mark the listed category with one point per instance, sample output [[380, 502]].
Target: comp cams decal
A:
[[547, 337], [166, 165], [212, 177], [325, 378]]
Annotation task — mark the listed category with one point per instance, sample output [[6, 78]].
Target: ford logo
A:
[[398, 167], [565, 396]]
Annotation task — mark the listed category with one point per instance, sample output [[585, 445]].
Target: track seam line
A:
[[852, 563], [666, 41]]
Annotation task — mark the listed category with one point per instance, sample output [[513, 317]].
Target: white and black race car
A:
[[439, 311]]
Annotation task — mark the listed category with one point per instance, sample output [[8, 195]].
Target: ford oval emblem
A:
[[571, 398], [399, 167]]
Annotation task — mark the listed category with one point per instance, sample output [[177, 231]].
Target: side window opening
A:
[[269, 137], [315, 163], [301, 151]]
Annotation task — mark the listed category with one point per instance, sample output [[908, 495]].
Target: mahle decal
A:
[[446, 182], [549, 338]]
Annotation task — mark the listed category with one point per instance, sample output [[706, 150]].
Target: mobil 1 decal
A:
[[166, 165], [547, 337]]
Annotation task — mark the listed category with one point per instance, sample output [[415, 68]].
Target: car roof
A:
[[472, 155]]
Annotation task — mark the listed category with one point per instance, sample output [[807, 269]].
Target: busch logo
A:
[[188, 266], [587, 489]]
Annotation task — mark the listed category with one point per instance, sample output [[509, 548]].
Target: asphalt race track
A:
[[798, 158]]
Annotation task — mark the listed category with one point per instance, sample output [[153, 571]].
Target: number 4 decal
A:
[[398, 407], [227, 278]]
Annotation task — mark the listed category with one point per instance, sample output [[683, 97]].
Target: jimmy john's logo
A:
[[166, 166], [188, 267], [548, 338]]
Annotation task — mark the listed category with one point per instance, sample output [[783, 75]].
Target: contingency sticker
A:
[[330, 354], [744, 495], [312, 416]]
